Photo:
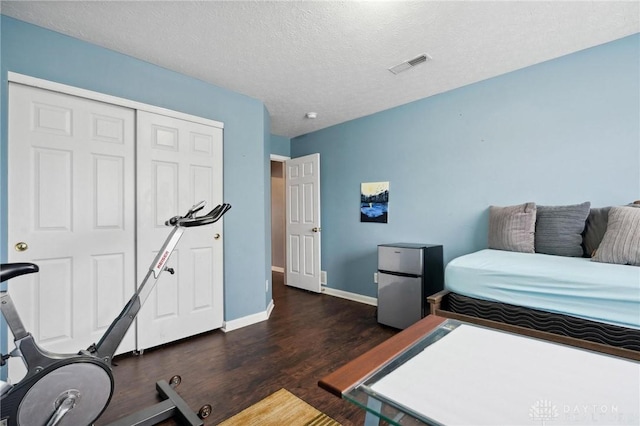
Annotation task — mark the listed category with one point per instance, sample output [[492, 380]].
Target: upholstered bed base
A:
[[563, 328]]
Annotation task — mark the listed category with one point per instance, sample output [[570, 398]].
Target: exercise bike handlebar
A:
[[189, 219]]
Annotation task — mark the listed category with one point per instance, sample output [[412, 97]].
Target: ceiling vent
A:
[[397, 69]]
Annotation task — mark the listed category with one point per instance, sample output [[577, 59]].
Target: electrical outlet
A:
[[323, 277], [266, 285], [375, 277]]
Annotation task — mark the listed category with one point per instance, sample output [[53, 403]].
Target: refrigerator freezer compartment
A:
[[400, 260]]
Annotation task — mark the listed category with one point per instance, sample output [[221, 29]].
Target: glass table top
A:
[[461, 373], [394, 412]]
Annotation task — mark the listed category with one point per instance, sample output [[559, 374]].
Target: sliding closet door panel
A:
[[179, 164], [71, 200]]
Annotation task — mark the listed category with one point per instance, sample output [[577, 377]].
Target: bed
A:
[[569, 296], [574, 286]]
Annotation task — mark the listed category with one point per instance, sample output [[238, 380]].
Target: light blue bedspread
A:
[[568, 285]]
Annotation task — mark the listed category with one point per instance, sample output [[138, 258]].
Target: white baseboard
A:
[[277, 269], [263, 316], [248, 320], [350, 296], [270, 308]]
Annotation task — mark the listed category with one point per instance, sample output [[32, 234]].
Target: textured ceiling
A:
[[333, 57]]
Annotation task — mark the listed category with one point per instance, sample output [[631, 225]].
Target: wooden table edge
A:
[[350, 374]]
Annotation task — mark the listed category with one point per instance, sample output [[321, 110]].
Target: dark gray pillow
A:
[[559, 229], [512, 228], [621, 242], [594, 229]]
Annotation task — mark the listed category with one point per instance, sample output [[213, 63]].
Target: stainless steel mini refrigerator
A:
[[407, 274]]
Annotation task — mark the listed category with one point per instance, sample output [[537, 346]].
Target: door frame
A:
[[27, 80], [280, 159]]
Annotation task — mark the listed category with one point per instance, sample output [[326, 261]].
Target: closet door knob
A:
[[21, 246]]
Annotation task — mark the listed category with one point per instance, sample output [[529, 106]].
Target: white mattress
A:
[[568, 285]]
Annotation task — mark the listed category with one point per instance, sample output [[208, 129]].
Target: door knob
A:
[[216, 237], [316, 229], [21, 246]]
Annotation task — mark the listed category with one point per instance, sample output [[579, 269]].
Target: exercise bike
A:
[[75, 389]]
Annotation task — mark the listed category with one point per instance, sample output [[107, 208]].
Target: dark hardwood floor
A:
[[307, 336]]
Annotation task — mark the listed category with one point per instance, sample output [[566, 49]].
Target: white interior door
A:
[[179, 164], [71, 200], [303, 222]]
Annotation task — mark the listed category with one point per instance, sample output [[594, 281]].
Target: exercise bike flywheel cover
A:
[[91, 379]]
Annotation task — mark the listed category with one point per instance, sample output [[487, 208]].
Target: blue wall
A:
[[561, 132], [281, 145], [34, 51]]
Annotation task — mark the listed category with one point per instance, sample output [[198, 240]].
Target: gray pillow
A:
[[594, 229], [559, 229], [512, 228], [621, 242]]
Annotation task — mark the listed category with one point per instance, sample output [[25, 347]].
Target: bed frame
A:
[[596, 336]]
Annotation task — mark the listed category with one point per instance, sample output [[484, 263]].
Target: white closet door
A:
[[179, 163], [71, 200]]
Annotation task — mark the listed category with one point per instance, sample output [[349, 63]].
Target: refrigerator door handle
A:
[[398, 274]]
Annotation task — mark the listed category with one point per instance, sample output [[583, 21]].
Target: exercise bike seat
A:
[[12, 270]]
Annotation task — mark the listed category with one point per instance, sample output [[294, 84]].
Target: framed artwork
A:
[[374, 202]]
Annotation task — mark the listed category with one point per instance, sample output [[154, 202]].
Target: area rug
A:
[[278, 409]]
